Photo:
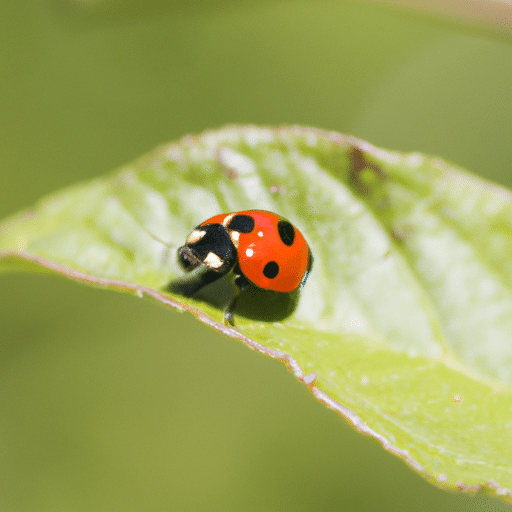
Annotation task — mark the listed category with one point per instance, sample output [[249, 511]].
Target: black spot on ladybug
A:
[[271, 270], [286, 232], [242, 223]]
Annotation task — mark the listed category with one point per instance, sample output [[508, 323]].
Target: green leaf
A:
[[405, 324]]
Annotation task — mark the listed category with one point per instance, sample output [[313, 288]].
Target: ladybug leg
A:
[[240, 283], [308, 270], [195, 281], [229, 317]]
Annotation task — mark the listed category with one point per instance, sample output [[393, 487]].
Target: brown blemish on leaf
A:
[[230, 173], [400, 233], [274, 189], [359, 164], [470, 489], [227, 170]]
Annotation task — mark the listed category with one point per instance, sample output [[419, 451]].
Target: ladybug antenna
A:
[[154, 237], [158, 239]]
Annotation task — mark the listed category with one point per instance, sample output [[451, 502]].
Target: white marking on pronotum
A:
[[235, 237], [227, 220], [213, 261], [195, 236]]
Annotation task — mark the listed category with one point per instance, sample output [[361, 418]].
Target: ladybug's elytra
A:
[[259, 246]]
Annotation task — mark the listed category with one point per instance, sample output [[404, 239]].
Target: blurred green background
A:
[[111, 403]]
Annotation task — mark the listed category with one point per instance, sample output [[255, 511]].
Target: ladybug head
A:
[[210, 245]]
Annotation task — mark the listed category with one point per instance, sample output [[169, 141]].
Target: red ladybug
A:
[[259, 246]]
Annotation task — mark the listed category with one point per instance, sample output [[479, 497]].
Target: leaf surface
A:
[[405, 324]]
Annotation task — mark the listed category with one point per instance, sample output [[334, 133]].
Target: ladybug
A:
[[260, 247]]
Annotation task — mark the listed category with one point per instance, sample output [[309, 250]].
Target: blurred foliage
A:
[[110, 403]]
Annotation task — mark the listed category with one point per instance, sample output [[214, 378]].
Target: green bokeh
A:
[[110, 403]]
